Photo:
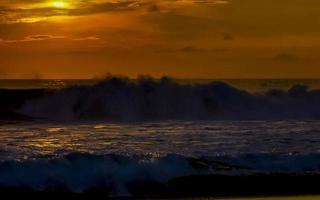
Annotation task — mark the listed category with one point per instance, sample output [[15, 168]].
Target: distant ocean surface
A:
[[252, 85], [118, 133]]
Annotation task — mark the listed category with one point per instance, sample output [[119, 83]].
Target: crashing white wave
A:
[[120, 99]]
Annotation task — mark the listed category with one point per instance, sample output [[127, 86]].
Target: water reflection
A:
[[187, 138]]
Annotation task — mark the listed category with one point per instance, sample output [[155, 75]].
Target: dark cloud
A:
[[227, 36], [153, 8], [208, 2], [194, 49], [190, 49], [40, 37], [285, 57]]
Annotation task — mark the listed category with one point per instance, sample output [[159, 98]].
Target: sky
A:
[[179, 38]]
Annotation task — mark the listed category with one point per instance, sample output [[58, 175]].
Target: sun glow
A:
[[59, 4]]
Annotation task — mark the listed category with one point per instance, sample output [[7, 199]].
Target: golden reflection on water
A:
[[189, 138], [54, 129], [99, 126]]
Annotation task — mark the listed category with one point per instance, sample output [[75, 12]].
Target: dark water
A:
[[31, 140], [80, 156], [254, 85], [42, 83], [118, 132]]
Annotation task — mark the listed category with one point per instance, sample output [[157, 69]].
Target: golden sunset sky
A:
[[180, 38]]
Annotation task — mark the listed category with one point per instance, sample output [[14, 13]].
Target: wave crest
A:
[[121, 99]]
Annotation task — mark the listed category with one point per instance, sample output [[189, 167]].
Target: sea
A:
[[253, 85], [114, 133]]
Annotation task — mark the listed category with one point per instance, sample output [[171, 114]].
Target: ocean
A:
[[119, 132], [253, 85]]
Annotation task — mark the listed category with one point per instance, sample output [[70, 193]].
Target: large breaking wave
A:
[[121, 99]]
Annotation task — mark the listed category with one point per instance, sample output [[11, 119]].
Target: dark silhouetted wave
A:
[[121, 99]]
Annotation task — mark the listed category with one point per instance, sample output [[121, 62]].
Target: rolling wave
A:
[[119, 174], [121, 99]]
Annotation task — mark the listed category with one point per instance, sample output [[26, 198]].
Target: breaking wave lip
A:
[[80, 172], [121, 99]]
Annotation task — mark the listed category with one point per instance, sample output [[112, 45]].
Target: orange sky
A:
[[180, 38]]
